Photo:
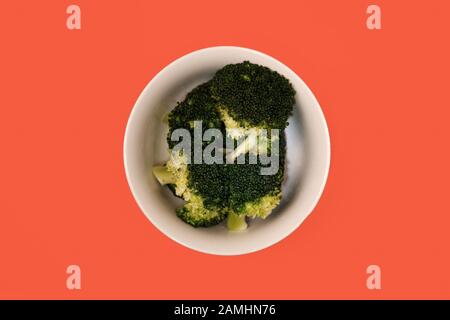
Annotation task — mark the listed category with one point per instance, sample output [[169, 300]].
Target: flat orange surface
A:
[[66, 97]]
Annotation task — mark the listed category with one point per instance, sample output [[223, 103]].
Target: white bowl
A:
[[308, 155]]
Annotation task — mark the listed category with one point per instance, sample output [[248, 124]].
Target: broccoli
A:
[[197, 106], [163, 176], [199, 185], [241, 99], [252, 96], [236, 223], [195, 213], [252, 194]]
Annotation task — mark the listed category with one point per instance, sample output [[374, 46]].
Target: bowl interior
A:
[[308, 155]]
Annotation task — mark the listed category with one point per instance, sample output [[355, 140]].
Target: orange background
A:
[[65, 100]]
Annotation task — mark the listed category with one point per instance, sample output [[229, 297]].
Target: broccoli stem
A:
[[236, 223], [163, 175]]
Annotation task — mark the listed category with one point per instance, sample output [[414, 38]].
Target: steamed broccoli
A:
[[199, 185], [195, 213], [197, 106], [252, 194], [247, 98], [253, 96]]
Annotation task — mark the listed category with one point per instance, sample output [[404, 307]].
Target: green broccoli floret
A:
[[197, 106], [199, 185], [197, 214], [241, 99], [253, 96], [252, 194]]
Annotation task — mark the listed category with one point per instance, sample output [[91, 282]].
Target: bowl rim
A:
[[126, 141]]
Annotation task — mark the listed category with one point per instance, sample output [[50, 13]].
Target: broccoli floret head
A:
[[197, 106], [251, 193], [199, 185], [195, 213], [262, 207], [208, 181], [241, 99], [253, 95]]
